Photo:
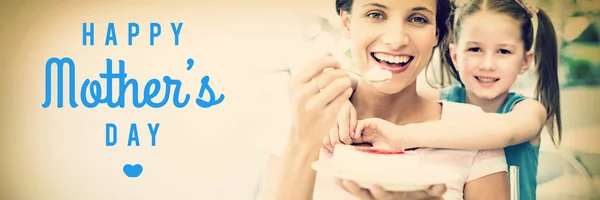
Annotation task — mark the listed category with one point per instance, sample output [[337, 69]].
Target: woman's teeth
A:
[[392, 59], [487, 80]]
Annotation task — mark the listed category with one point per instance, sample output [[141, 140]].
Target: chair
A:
[[552, 165], [513, 177], [556, 166]]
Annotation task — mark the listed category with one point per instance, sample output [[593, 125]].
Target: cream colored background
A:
[[200, 154], [244, 46]]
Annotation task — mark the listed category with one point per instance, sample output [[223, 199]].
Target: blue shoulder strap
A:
[[454, 94]]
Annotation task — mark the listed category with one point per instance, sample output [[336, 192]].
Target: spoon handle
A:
[[354, 78], [358, 76]]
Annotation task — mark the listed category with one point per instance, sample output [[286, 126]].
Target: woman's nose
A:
[[395, 36]]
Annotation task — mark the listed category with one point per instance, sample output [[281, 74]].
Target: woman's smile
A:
[[395, 63]]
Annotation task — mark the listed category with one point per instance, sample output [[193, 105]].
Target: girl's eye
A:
[[503, 51], [375, 15], [474, 49], [418, 20]]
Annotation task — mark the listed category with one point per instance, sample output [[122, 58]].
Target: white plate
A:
[[402, 181]]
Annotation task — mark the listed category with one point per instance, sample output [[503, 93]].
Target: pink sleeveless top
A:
[[469, 165]]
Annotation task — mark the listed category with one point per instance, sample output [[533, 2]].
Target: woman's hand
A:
[[346, 132], [317, 97], [434, 192]]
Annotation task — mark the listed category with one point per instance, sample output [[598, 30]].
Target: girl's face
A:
[[489, 54], [396, 35]]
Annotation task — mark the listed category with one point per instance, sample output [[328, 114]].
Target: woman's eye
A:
[[418, 20], [474, 49], [504, 51], [375, 15]]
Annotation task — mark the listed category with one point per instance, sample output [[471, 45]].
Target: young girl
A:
[[490, 48]]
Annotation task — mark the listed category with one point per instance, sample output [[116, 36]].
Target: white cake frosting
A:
[[373, 164]]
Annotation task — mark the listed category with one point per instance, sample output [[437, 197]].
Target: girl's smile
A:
[[486, 81]]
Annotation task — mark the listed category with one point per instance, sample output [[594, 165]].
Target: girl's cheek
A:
[[470, 62]]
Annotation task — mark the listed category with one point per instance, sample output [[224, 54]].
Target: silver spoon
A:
[[374, 75]]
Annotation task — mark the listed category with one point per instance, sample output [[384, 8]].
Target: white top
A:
[[468, 164]]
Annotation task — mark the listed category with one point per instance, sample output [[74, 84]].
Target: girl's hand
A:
[[342, 132], [317, 97], [380, 133]]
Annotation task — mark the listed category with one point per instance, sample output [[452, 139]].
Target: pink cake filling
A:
[[378, 151]]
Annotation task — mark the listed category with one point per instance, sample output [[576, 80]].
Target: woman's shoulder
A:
[[453, 109]]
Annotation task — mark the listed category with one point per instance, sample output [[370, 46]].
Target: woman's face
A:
[[395, 35]]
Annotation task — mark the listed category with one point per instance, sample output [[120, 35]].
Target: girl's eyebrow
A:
[[473, 43], [501, 44], [507, 45]]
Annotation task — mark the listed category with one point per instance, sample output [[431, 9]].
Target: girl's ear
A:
[[452, 49], [527, 61], [345, 20]]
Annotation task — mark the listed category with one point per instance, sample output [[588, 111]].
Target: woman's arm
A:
[[476, 131], [491, 187], [314, 113], [487, 178], [297, 178], [292, 177], [288, 174]]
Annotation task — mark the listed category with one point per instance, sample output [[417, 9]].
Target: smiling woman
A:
[[399, 37]]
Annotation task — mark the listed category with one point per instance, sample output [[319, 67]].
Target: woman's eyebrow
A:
[[420, 8], [376, 5]]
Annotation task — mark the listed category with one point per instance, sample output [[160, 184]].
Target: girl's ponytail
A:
[[547, 90]]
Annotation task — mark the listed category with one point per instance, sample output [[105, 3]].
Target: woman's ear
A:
[[527, 61], [437, 37], [452, 51], [345, 16]]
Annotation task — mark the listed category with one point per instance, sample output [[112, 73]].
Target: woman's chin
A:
[[388, 87]]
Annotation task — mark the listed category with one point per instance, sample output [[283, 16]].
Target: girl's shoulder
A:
[[512, 99], [454, 93]]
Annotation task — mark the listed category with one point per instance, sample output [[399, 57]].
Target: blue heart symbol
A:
[[133, 171]]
